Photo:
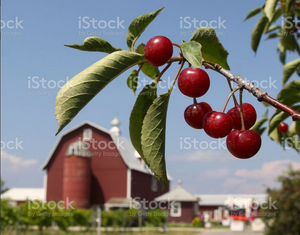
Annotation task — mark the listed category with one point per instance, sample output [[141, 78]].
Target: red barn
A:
[[90, 165]]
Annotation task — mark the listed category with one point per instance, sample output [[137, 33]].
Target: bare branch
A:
[[260, 95]]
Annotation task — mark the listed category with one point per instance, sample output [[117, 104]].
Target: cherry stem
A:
[[157, 79], [178, 72], [260, 95], [241, 110], [227, 100], [195, 100], [234, 99], [177, 45]]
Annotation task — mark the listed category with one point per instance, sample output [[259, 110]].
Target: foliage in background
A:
[[197, 222], [156, 217], [8, 214], [3, 190], [279, 21], [45, 215], [283, 218]]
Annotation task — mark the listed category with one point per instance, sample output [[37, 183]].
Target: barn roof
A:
[[178, 194], [21, 194], [127, 151]]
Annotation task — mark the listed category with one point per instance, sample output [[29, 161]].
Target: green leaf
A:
[[138, 113], [77, 92], [282, 52], [192, 53], [140, 48], [290, 94], [257, 32], [272, 28], [276, 119], [212, 49], [297, 128], [132, 80], [288, 39], [289, 69], [297, 11], [278, 12], [273, 35], [253, 12], [95, 44], [279, 117], [289, 5], [138, 26], [148, 69], [258, 124], [153, 136], [269, 8]]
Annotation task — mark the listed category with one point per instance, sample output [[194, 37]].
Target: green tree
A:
[[8, 215], [283, 217], [3, 190], [279, 20]]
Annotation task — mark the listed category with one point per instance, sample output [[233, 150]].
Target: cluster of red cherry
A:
[[194, 82]]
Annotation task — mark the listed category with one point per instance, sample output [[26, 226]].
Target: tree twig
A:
[[260, 95]]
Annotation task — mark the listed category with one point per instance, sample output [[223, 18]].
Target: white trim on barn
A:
[[128, 193]]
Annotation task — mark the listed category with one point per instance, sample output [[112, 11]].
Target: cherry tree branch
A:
[[260, 95]]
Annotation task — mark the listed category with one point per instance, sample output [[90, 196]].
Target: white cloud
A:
[[19, 172], [256, 180], [15, 163], [269, 170], [218, 173]]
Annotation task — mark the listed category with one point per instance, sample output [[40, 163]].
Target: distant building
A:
[[181, 205], [18, 196], [225, 206], [94, 166]]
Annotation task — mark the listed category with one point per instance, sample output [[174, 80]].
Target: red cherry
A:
[[194, 114], [249, 116], [158, 50], [193, 82], [217, 124], [283, 127], [243, 144]]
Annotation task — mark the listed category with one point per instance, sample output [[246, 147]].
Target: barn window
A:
[[87, 134], [154, 184], [175, 209]]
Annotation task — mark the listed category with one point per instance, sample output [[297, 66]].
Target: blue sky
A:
[[35, 63]]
